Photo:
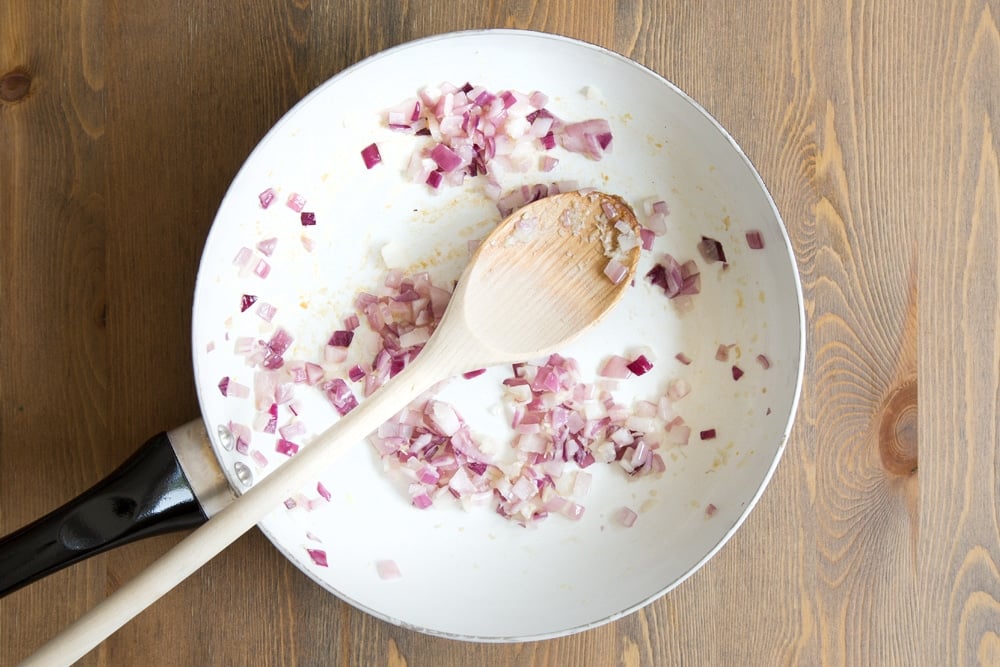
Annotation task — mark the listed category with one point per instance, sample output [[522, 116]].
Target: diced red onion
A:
[[322, 491], [237, 390], [314, 373], [573, 511], [292, 430], [340, 395], [434, 179], [279, 342], [626, 516], [419, 496], [242, 436], [678, 389], [683, 358], [737, 372], [764, 362], [318, 557], [560, 421], [710, 510], [722, 352], [333, 354], [615, 366], [266, 311], [266, 197], [242, 257], [615, 271], [446, 159], [755, 240], [371, 155], [668, 276], [286, 447], [341, 338], [679, 434], [262, 268], [640, 365], [267, 246], [711, 250], [387, 570], [648, 238], [296, 202], [307, 219], [707, 434], [258, 458]]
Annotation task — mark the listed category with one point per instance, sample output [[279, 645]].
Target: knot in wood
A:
[[14, 85], [897, 433]]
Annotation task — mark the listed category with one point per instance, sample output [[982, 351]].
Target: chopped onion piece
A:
[[322, 491], [387, 570], [737, 372], [286, 447], [678, 389], [616, 366], [266, 197], [291, 430], [318, 557], [679, 434], [755, 240], [626, 516], [371, 156], [307, 219], [648, 238], [262, 268], [266, 311], [640, 365], [707, 434], [296, 202], [764, 362], [242, 257], [711, 250], [615, 271], [341, 338], [267, 246], [340, 395]]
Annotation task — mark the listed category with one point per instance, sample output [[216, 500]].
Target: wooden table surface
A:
[[876, 126]]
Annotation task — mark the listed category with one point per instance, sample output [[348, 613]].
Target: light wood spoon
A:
[[535, 283]]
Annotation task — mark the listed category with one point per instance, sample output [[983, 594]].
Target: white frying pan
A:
[[454, 570]]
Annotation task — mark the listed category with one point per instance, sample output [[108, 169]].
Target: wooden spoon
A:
[[535, 283]]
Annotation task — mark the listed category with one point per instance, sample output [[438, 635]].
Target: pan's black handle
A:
[[147, 495]]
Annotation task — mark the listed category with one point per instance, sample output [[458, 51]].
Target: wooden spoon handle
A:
[[228, 525]]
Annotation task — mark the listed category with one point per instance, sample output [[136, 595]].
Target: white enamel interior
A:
[[471, 574]]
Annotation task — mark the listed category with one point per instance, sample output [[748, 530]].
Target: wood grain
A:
[[874, 125], [959, 567]]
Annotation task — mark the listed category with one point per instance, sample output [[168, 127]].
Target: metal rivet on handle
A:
[[226, 438], [243, 473]]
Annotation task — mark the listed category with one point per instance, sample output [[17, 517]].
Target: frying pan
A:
[[457, 569]]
